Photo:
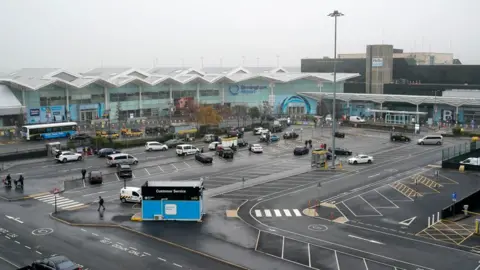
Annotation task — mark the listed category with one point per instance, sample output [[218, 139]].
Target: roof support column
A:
[[198, 93], [23, 98], [67, 103], [320, 86], [417, 118], [140, 105], [456, 114], [170, 91], [223, 93], [271, 97], [106, 98], [348, 109]]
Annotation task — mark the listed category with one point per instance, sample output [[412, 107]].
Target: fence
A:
[[459, 149]]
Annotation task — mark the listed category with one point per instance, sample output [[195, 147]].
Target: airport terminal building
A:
[[45, 95]]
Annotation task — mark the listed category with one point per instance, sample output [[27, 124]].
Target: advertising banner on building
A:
[[46, 114], [171, 193], [285, 103], [377, 62]]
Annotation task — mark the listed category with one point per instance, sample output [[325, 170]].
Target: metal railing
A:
[[459, 149]]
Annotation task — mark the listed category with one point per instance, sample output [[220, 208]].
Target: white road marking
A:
[[364, 239], [258, 213], [297, 212], [283, 246], [287, 212], [106, 238], [17, 242], [365, 262], [9, 262], [336, 260], [15, 219], [28, 247], [380, 214], [132, 248], [375, 175], [177, 265], [408, 221], [478, 267], [277, 213], [161, 259], [161, 169], [91, 194], [133, 175], [309, 256], [176, 169], [116, 175], [38, 252], [188, 165], [7, 237], [147, 171], [147, 253], [119, 243], [72, 206], [268, 213], [395, 206], [83, 230], [94, 234]]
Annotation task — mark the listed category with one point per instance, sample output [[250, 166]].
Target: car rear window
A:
[[68, 265]]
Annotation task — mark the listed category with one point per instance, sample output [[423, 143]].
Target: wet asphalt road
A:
[[23, 240]]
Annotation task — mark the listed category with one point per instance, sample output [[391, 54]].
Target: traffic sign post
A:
[[55, 191]]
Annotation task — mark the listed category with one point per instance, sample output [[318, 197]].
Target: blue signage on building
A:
[[245, 89]]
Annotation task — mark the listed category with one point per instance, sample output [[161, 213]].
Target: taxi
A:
[[134, 132], [109, 134]]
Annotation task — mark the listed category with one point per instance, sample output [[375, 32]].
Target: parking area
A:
[[405, 205], [458, 233], [312, 256]]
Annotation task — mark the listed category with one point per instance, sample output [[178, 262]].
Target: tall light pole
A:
[[335, 14]]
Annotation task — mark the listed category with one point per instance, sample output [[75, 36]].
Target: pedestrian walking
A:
[[100, 203], [84, 172]]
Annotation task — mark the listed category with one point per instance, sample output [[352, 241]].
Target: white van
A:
[[131, 194], [357, 119], [431, 139], [471, 161], [121, 158], [186, 149]]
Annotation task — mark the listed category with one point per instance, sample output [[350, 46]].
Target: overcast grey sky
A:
[[83, 34]]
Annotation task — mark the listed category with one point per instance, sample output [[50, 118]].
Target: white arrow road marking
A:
[[408, 221], [16, 219], [364, 239]]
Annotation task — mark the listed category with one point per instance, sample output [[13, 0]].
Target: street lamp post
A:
[[335, 14]]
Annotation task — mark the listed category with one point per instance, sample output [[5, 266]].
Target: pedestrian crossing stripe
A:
[[62, 202], [278, 213]]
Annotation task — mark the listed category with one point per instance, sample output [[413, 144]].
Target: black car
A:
[[329, 155], [203, 158], [290, 135], [339, 134], [341, 151], [399, 137], [124, 171], [53, 263], [225, 152], [95, 177], [300, 150], [107, 151], [242, 143], [80, 137]]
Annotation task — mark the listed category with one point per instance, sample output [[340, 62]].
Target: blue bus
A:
[[49, 131]]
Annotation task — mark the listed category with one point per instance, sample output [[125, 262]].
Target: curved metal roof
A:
[[381, 98], [35, 79]]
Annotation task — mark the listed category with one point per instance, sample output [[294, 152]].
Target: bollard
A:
[[438, 216], [429, 222], [461, 168], [433, 219]]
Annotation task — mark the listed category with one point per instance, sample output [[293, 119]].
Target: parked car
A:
[[339, 134], [259, 131], [110, 134], [107, 151], [341, 151], [121, 158], [362, 158], [274, 138], [124, 171], [134, 132], [208, 138], [174, 142], [255, 148], [399, 137], [213, 146], [290, 135], [155, 146], [225, 152], [300, 150], [53, 263], [203, 158], [95, 177], [66, 156], [80, 137], [242, 143]]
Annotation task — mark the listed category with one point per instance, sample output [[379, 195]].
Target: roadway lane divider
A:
[[269, 213], [62, 202]]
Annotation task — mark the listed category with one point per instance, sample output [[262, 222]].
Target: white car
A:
[[213, 146], [66, 156], [155, 146], [255, 148], [259, 131], [360, 159]]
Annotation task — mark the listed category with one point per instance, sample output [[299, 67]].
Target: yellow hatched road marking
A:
[[405, 190]]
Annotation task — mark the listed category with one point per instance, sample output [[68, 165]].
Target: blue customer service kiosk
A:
[[172, 200]]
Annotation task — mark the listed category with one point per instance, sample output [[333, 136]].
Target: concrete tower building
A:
[[379, 67]]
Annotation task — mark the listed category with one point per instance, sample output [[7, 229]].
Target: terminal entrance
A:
[[398, 117]]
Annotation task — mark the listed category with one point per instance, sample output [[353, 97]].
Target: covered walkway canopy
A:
[[382, 98], [9, 104]]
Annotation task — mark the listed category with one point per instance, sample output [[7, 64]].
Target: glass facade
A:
[[54, 103]]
